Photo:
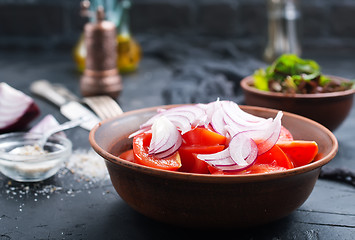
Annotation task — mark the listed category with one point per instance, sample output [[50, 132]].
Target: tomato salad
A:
[[217, 138]]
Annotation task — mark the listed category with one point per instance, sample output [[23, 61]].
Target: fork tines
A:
[[104, 106]]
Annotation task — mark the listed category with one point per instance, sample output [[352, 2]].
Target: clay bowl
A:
[[202, 200], [329, 109]]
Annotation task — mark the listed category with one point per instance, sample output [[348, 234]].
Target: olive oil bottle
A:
[[129, 51]]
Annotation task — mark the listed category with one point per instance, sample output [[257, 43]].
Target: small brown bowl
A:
[[329, 109], [203, 200]]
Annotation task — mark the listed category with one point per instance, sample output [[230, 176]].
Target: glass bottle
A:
[[283, 16], [79, 53], [129, 51]]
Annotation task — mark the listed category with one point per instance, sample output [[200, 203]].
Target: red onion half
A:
[[16, 109]]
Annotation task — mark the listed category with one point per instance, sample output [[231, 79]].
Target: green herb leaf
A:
[[260, 80]]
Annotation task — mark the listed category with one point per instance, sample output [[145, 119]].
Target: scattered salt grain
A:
[[29, 190], [87, 165]]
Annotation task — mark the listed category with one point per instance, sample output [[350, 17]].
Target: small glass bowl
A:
[[28, 167]]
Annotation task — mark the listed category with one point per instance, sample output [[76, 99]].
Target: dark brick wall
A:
[[48, 24]]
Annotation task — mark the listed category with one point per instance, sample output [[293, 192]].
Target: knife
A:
[[69, 108]]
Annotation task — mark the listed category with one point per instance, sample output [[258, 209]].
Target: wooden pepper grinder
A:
[[100, 75]]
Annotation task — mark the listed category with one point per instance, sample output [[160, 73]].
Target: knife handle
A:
[[46, 90]]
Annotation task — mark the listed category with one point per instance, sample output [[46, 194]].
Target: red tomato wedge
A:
[[140, 148], [190, 163], [300, 152], [128, 155], [285, 135], [203, 137], [275, 157], [262, 168], [254, 169]]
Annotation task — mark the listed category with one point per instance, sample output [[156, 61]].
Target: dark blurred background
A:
[[49, 24]]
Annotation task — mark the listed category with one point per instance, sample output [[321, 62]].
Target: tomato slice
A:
[[262, 168], [190, 162], [140, 148], [254, 169], [300, 152], [285, 135], [203, 137], [275, 157], [128, 155]]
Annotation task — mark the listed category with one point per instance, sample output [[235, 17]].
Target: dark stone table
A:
[[68, 207]]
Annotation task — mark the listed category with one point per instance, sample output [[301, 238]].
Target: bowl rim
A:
[[51, 156], [245, 84], [209, 177]]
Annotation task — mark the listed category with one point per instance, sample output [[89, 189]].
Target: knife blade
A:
[[69, 108]]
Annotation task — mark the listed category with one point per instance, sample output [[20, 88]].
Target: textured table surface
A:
[[68, 207]]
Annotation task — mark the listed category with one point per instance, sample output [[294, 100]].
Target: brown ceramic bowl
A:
[[203, 200], [329, 109]]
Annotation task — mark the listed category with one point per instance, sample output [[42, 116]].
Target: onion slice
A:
[[239, 155], [226, 116], [266, 136], [166, 139], [184, 118], [234, 112]]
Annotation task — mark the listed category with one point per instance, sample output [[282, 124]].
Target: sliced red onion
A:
[[227, 114], [170, 151], [240, 154], [142, 130], [184, 118], [267, 136], [16, 109], [233, 127], [218, 123], [210, 109], [243, 147], [193, 113], [166, 139], [181, 122], [250, 135], [234, 112]]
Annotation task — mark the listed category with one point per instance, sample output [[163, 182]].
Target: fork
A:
[[104, 106]]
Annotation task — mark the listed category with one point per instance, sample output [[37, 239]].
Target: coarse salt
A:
[[87, 164]]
